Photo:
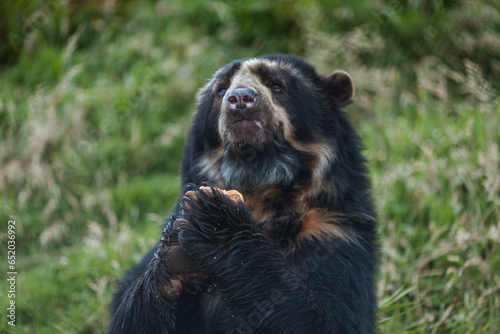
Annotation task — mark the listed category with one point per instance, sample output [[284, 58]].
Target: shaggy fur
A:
[[299, 254]]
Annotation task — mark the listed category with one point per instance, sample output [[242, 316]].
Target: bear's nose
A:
[[241, 98]]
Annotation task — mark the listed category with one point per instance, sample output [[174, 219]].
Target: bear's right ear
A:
[[341, 87]]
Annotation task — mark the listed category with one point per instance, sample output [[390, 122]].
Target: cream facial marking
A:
[[270, 117]]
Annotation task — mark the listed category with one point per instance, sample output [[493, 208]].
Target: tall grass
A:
[[95, 104]]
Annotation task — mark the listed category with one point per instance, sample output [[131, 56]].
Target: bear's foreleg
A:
[[251, 275]]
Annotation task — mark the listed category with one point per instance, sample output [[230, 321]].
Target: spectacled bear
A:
[[297, 251]]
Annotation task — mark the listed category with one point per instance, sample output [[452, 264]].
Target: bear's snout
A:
[[241, 98]]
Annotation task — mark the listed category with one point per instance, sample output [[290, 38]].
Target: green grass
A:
[[436, 185], [94, 113]]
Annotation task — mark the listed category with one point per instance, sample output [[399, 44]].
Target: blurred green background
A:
[[96, 98]]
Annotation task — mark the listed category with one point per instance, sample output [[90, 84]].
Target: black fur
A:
[[266, 272]]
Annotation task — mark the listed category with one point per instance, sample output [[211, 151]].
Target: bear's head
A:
[[273, 123]]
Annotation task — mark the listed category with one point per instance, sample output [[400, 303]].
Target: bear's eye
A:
[[221, 91], [276, 87]]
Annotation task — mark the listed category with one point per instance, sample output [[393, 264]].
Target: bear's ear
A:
[[341, 87]]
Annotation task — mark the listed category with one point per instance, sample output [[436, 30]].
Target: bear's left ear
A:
[[341, 87]]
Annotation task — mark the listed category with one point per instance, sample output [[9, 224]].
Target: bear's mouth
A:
[[247, 125], [244, 131]]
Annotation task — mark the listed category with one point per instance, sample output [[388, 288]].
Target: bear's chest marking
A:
[[292, 219], [267, 205]]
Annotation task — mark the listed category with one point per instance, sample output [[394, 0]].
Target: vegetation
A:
[[96, 98]]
